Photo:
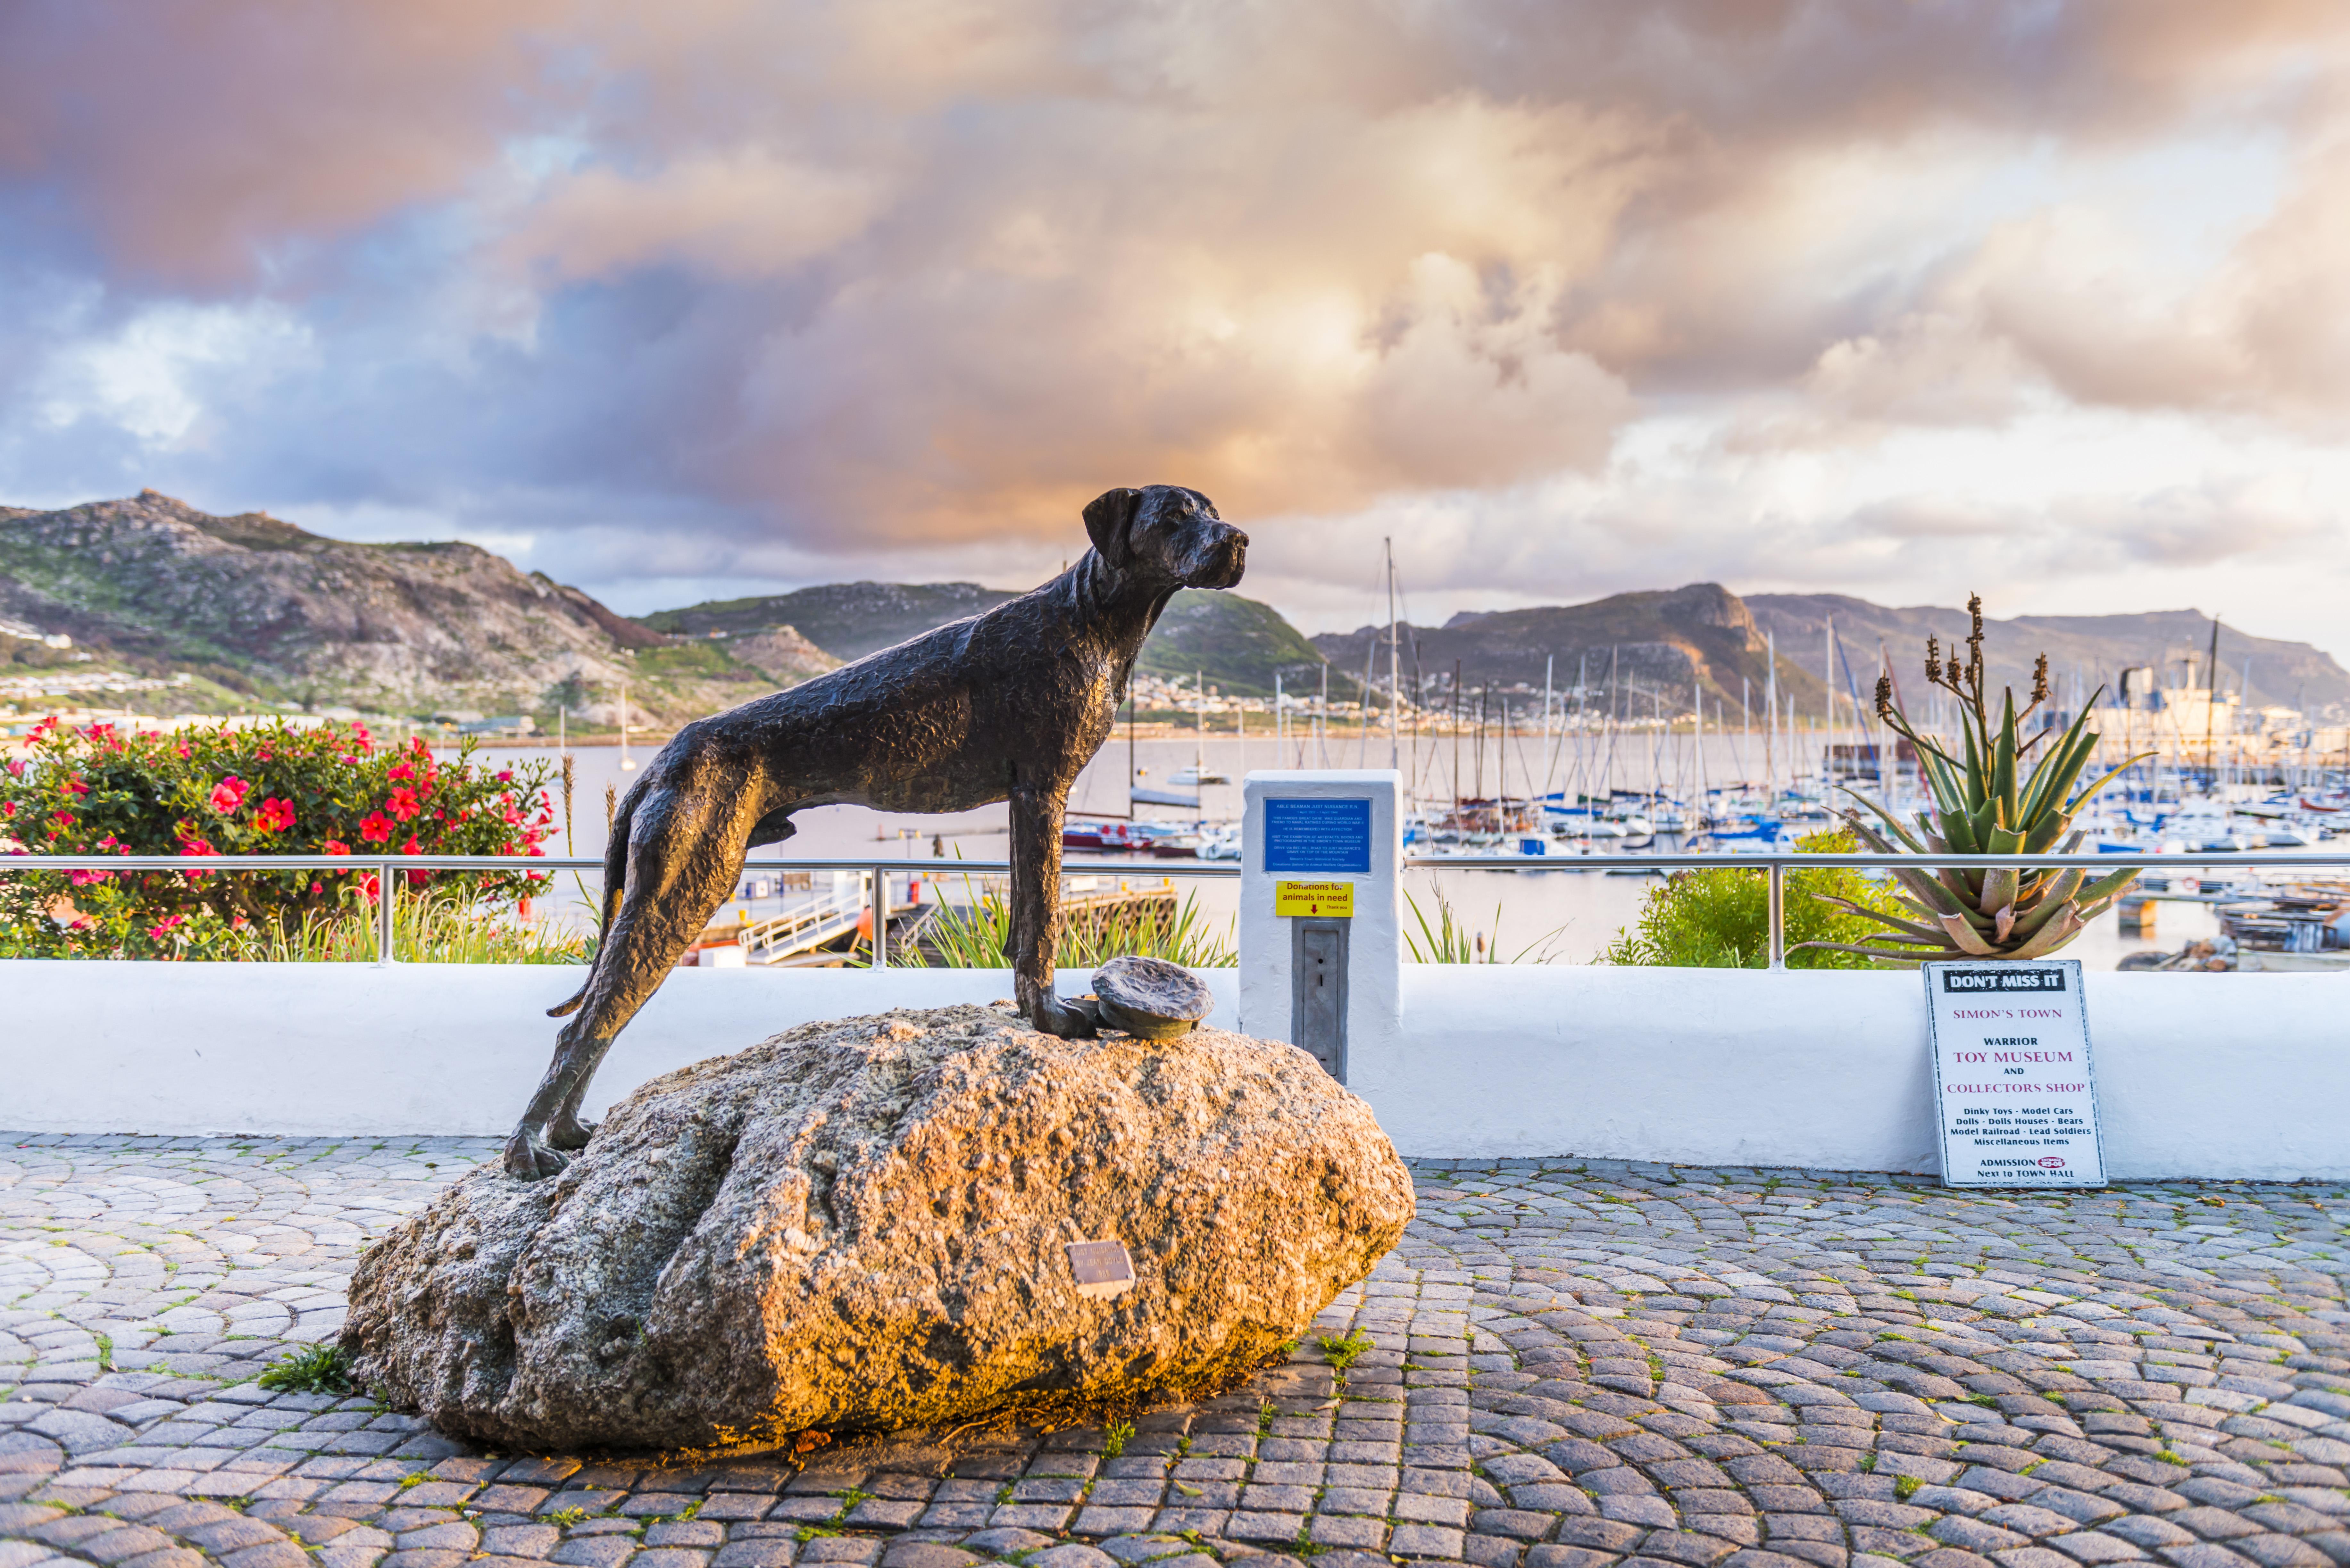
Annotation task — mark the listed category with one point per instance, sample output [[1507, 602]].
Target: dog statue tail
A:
[[616, 877]]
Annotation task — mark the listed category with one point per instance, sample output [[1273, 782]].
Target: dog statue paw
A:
[[1070, 1017], [569, 1134], [528, 1160]]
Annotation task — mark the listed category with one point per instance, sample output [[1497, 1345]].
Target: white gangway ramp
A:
[[811, 925]]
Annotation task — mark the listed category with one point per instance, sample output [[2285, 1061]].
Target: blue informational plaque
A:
[[1317, 835]]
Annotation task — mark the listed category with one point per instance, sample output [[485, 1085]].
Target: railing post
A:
[[1778, 915], [880, 917], [383, 931]]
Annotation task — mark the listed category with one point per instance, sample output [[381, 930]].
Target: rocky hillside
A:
[[847, 620], [2093, 649], [1697, 636], [1237, 642], [271, 611]]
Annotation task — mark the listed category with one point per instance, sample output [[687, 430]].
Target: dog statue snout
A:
[[1220, 560]]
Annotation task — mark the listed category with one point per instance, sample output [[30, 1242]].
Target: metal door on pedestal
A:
[[1317, 971]]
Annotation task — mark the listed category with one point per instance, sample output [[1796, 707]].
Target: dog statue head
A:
[[1166, 536]]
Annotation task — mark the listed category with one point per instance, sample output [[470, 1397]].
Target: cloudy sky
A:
[[1889, 297]]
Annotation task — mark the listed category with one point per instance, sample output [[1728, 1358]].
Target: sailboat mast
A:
[[2211, 707], [1456, 737], [1200, 714], [1770, 730], [1394, 657], [1826, 757], [1322, 722], [1550, 752]]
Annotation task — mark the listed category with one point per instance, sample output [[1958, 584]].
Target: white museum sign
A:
[[2016, 1099]]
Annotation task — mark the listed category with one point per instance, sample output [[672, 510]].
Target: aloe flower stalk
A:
[[1985, 803]]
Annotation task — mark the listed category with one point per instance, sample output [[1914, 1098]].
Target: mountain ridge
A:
[[1645, 647], [264, 609], [260, 607], [2088, 650]]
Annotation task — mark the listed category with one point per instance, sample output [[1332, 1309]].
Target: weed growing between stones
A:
[[1344, 1353], [1114, 1439], [318, 1370]]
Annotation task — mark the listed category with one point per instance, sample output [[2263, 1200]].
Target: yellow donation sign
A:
[[1314, 898]]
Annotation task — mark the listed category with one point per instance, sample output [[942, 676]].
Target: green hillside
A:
[[1238, 643]]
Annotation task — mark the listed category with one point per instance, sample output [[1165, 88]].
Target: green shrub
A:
[[1721, 919], [269, 789]]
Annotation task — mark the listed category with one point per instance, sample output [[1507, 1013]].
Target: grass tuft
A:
[[315, 1369]]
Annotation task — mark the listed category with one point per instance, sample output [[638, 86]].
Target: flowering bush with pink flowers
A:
[[279, 789]]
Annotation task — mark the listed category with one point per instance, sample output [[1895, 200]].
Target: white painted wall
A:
[[2212, 1075], [365, 1050]]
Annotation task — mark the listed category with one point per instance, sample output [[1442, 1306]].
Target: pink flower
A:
[[84, 878], [403, 771], [505, 776], [196, 846], [376, 829], [7, 808], [229, 794], [16, 767], [402, 803], [275, 815], [64, 818], [335, 846], [162, 929], [411, 847]]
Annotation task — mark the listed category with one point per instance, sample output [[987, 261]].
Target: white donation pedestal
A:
[[1322, 856]]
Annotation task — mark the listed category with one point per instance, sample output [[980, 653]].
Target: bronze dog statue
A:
[[1006, 705]]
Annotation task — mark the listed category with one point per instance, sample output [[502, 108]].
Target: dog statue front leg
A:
[[527, 1155], [1036, 913]]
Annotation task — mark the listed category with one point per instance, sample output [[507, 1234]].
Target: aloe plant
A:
[[1985, 803]]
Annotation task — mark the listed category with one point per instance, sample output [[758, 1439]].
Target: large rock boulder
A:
[[866, 1224]]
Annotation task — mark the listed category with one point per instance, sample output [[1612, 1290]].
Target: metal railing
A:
[[1776, 865], [383, 865]]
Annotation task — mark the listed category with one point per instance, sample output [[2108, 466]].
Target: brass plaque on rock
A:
[[1103, 1268]]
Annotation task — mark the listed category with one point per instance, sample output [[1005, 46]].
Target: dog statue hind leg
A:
[[681, 852]]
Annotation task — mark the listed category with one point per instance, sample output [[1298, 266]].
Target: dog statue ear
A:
[[1110, 518]]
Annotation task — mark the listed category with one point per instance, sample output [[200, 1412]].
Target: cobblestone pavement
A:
[[1568, 1364]]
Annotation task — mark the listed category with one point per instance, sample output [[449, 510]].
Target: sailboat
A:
[[1198, 773]]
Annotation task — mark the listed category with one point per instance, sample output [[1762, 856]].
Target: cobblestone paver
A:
[[1567, 1365]]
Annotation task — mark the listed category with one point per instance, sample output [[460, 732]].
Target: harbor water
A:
[[1567, 915]]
